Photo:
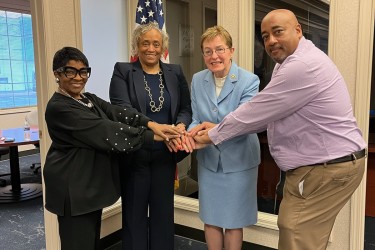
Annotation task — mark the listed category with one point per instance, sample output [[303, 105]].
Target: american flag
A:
[[151, 11]]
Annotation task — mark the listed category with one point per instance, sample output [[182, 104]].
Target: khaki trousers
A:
[[313, 196]]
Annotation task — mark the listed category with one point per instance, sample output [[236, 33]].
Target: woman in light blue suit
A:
[[227, 173]]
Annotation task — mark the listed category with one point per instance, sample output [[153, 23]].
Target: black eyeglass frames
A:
[[71, 72]]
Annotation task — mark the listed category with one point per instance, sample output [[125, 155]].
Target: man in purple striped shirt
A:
[[312, 133]]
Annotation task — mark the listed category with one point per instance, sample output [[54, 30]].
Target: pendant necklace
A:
[[161, 98], [89, 105]]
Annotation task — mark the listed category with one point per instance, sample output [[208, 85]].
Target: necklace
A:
[[89, 105], [161, 98]]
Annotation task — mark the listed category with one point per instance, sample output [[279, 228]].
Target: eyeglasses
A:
[[209, 52], [71, 72]]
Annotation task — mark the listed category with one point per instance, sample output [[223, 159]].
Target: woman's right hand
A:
[[164, 131]]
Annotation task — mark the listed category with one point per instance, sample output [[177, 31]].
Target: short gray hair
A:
[[143, 28]]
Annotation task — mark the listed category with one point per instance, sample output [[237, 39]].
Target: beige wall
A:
[[57, 23]]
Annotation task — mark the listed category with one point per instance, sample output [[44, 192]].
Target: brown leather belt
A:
[[353, 156]]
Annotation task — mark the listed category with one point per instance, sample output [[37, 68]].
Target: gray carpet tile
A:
[[180, 243], [22, 223], [369, 243]]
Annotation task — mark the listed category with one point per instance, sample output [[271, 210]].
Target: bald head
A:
[[281, 33], [284, 14]]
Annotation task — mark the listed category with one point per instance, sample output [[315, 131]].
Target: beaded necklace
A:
[[89, 105], [161, 98]]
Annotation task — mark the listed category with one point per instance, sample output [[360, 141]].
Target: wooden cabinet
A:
[[370, 185], [268, 177]]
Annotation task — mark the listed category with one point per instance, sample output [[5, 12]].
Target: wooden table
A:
[[16, 191]]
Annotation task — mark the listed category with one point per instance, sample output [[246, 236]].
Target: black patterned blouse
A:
[[82, 162]]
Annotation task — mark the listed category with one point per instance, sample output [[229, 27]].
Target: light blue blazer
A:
[[242, 152]]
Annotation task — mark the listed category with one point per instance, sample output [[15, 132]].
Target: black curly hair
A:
[[64, 55]]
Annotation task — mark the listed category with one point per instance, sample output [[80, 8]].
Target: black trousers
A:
[[148, 201], [81, 232]]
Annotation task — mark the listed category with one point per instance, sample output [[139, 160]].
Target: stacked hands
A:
[[178, 139]]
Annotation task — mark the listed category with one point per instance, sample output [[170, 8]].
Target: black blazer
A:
[[127, 89]]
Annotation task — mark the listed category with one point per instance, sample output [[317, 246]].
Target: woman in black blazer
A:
[[159, 91]]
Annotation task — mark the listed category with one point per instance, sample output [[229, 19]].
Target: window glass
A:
[[27, 27], [16, 47], [18, 72], [17, 68], [3, 26], [28, 48], [30, 66], [5, 72], [14, 22], [4, 47]]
